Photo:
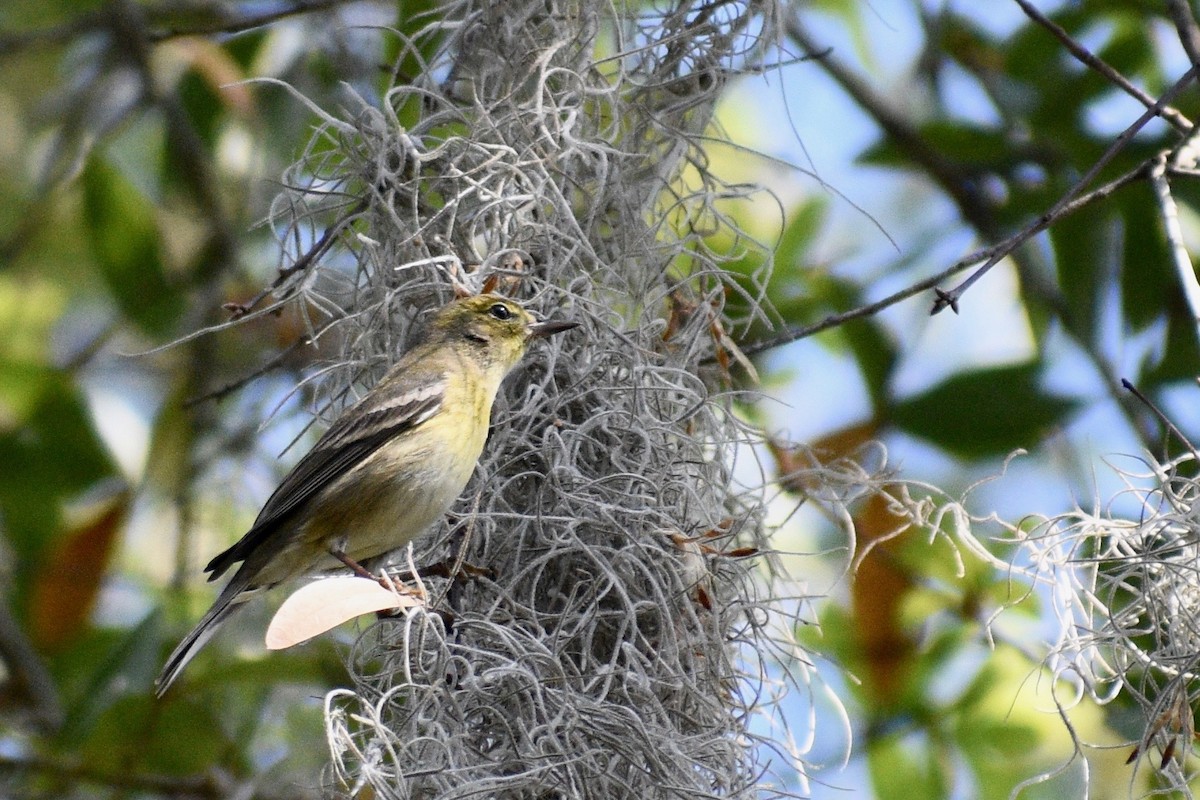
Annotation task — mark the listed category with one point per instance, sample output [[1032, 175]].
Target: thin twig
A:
[[233, 386], [956, 181], [1166, 421], [1094, 62], [974, 207], [950, 298], [239, 310], [13, 43], [833, 320]]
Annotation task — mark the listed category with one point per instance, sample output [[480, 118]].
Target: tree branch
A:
[[950, 298], [953, 179], [160, 28], [1094, 62], [833, 320]]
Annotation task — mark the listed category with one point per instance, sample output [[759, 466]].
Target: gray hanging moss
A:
[[610, 643]]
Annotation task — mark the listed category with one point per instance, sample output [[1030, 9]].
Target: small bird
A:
[[387, 469]]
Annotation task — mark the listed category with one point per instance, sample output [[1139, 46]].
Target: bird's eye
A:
[[500, 311]]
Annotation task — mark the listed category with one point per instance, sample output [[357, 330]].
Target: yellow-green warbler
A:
[[388, 468]]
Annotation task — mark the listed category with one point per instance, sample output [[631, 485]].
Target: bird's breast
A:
[[409, 483]]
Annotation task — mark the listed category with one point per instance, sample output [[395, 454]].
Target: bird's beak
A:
[[549, 327]]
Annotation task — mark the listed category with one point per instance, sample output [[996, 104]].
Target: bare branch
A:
[[833, 320], [160, 28], [949, 175], [1087, 57], [950, 298]]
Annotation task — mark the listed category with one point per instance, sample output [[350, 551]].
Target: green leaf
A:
[[876, 355], [999, 726], [804, 223], [187, 739], [886, 153], [414, 44], [202, 105], [1147, 282], [983, 413], [30, 307], [906, 767], [29, 310], [124, 237], [1084, 247], [975, 146], [101, 667], [1129, 51], [1180, 352], [54, 455], [971, 149], [245, 47]]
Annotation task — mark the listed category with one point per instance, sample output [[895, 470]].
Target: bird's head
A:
[[500, 327]]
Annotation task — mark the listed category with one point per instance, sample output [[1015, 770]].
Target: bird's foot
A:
[[399, 587], [383, 579], [355, 567]]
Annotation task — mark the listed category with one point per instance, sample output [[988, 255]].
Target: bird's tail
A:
[[229, 601]]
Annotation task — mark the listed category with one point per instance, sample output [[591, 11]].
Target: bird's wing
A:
[[355, 435]]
